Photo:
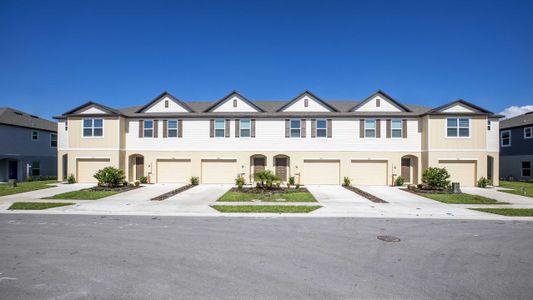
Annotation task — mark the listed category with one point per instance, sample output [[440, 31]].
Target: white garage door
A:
[[86, 168], [321, 172], [368, 172], [173, 170], [219, 170], [463, 172]]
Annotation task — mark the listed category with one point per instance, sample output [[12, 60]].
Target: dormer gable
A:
[[92, 108], [165, 103], [307, 102], [234, 102], [459, 107], [380, 102]]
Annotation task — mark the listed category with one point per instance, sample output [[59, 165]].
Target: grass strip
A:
[[516, 187], [83, 195], [36, 205], [460, 198], [512, 212], [265, 208], [27, 186], [233, 196]]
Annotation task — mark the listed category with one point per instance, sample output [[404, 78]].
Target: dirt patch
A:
[[172, 193], [365, 194]]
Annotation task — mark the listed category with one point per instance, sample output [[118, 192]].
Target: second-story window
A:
[[505, 138], [35, 135], [245, 128], [53, 140], [321, 128], [528, 132], [172, 130], [93, 127], [296, 128], [370, 128], [219, 128], [396, 128], [148, 128], [458, 127]]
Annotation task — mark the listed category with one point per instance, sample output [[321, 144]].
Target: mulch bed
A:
[[172, 193], [426, 191], [281, 190], [365, 194], [119, 189]]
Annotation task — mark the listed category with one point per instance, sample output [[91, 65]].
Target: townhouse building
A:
[[319, 142], [516, 147]]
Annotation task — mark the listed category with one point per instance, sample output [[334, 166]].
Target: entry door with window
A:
[[139, 167], [13, 169], [406, 169], [281, 168], [259, 164]]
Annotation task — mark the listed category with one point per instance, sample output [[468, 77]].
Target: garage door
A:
[[86, 168], [173, 170], [321, 172], [219, 171], [368, 172], [463, 172]]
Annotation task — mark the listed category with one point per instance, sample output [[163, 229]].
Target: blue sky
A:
[[56, 55]]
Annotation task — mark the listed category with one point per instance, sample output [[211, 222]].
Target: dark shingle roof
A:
[[10, 116], [521, 120]]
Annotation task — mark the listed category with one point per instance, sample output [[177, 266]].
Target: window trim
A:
[[522, 168], [223, 128], [458, 127], [92, 128], [299, 128], [31, 136], [249, 128], [144, 129], [530, 133], [501, 138], [169, 129], [32, 168], [325, 128], [375, 129], [400, 129], [52, 134]]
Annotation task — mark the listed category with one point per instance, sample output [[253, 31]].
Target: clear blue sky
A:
[[55, 55]]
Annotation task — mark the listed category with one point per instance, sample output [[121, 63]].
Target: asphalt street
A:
[[135, 257]]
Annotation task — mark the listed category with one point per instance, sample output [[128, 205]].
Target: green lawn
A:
[[83, 195], [516, 187], [23, 187], [460, 198], [288, 197], [35, 205], [516, 212], [264, 208]]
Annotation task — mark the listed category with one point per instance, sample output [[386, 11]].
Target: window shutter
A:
[[227, 127], [141, 128], [404, 128], [330, 128], [180, 128], [378, 128], [287, 127], [127, 124], [156, 128], [253, 128], [303, 127], [313, 128], [389, 128], [237, 127], [165, 124], [420, 125], [211, 128], [362, 128]]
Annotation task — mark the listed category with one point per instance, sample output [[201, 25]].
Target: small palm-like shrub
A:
[[71, 179], [399, 181], [266, 179], [291, 181], [143, 179], [195, 180], [110, 176], [347, 181], [436, 178], [239, 181], [483, 182]]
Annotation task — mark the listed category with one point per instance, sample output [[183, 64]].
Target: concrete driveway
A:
[[395, 195]]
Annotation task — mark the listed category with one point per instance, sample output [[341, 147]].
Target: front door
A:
[[13, 169], [139, 167], [259, 164], [281, 168], [406, 169]]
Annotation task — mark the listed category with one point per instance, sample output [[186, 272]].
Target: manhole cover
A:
[[388, 238]]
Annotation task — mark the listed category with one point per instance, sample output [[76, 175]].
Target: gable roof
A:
[[521, 120], [167, 94], [13, 117], [229, 96], [306, 92], [103, 107], [382, 94], [438, 110]]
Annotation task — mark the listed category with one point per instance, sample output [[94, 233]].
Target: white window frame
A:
[[51, 140], [33, 169], [92, 136], [375, 129], [392, 128], [172, 129], [37, 135], [223, 128], [458, 127], [325, 128], [522, 168], [241, 128], [530, 133], [501, 138], [299, 128], [144, 129]]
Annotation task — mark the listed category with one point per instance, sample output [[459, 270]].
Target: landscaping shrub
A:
[[71, 179], [137, 183], [239, 181], [483, 182], [291, 181], [347, 181], [399, 181], [436, 178], [266, 179], [41, 178], [110, 176], [143, 179], [195, 180]]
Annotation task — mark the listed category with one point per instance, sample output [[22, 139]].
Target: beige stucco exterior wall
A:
[[438, 139], [110, 140], [480, 157]]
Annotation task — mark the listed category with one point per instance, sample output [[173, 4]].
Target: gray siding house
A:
[[28, 146], [516, 147]]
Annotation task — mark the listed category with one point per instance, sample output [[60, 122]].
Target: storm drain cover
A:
[[388, 238]]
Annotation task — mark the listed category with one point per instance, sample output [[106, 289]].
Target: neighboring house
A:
[[28, 146], [516, 147], [317, 141]]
